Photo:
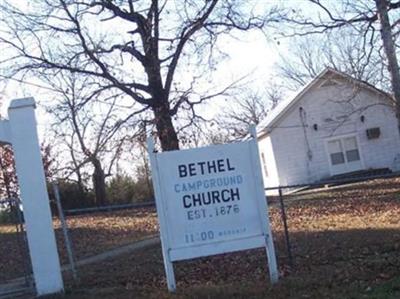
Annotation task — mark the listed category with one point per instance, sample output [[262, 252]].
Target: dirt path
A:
[[150, 241]]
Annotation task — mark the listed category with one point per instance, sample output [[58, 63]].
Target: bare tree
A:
[[245, 109], [135, 47], [364, 18], [92, 126], [343, 51], [8, 178]]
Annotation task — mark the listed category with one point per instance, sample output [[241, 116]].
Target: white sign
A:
[[211, 200]]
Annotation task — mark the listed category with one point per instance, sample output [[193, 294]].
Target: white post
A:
[[169, 267], [263, 207], [37, 214]]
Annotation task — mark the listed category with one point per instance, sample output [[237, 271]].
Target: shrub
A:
[[124, 189], [72, 195], [120, 189]]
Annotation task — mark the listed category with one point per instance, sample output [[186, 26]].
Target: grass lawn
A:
[[90, 234], [237, 275], [387, 290], [346, 244]]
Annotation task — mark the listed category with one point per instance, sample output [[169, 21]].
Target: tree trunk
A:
[[165, 128], [99, 183], [388, 45], [80, 181]]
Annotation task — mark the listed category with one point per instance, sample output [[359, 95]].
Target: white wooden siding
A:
[[321, 107], [265, 147]]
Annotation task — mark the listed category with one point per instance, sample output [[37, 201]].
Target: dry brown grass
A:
[[345, 242], [96, 233], [90, 234]]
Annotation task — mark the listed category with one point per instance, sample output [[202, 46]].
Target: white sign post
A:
[[210, 201], [20, 131]]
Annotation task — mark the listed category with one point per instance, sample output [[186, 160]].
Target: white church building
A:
[[334, 125]]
